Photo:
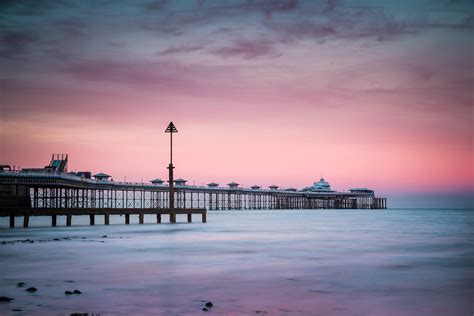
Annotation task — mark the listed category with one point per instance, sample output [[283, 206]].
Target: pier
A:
[[26, 194], [53, 191]]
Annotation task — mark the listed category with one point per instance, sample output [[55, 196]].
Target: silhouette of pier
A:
[[52, 191]]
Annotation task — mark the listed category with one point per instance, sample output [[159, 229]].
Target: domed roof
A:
[[321, 185]]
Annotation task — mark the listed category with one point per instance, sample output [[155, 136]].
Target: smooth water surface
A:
[[281, 262]]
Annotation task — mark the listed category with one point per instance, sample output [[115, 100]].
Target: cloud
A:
[[181, 49], [15, 43], [247, 49]]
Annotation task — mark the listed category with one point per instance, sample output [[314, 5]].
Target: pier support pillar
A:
[[127, 219], [54, 220], [172, 218], [158, 218], [68, 220], [106, 218], [92, 219], [204, 217], [141, 218], [12, 221], [26, 220], [190, 217]]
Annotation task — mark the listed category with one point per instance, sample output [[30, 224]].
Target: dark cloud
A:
[[247, 49], [181, 49], [156, 5], [14, 44], [333, 22]]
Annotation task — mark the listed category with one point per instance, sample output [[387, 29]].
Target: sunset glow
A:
[[277, 92]]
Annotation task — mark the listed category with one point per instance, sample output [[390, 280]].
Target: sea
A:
[[262, 262]]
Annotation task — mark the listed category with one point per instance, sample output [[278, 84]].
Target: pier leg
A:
[[172, 218], [127, 219], [12, 221], [26, 220], [158, 218], [141, 218], [54, 220], [106, 219], [68, 220], [204, 220], [92, 219], [190, 217]]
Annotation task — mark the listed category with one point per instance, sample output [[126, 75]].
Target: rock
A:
[[77, 292], [17, 310], [68, 292], [21, 284], [79, 314], [209, 305], [56, 239], [31, 289], [83, 237], [205, 309], [69, 281], [6, 299], [105, 236]]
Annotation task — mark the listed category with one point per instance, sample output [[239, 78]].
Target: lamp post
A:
[[171, 129]]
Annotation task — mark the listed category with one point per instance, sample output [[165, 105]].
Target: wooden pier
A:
[[93, 212]]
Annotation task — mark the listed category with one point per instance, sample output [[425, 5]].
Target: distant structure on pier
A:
[[320, 186]]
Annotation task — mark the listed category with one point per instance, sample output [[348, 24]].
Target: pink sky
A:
[[377, 97]]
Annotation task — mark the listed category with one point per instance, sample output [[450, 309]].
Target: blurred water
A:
[[282, 262]]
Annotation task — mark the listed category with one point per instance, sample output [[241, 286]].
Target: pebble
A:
[[68, 292], [205, 309], [31, 289], [77, 292], [6, 299], [209, 304], [21, 284]]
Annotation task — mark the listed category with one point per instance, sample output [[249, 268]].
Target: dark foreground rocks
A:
[[5, 299], [31, 289], [72, 292], [207, 307]]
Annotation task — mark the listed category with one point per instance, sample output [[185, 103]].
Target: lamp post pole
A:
[[171, 129]]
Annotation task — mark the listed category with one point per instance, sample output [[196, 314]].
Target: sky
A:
[[375, 94]]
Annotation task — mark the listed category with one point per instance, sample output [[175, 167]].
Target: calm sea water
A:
[[285, 262]]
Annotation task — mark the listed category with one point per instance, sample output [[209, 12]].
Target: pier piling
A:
[[190, 217], [141, 218], [68, 220], [92, 219], [106, 218], [12, 221], [54, 220], [26, 220], [127, 219]]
